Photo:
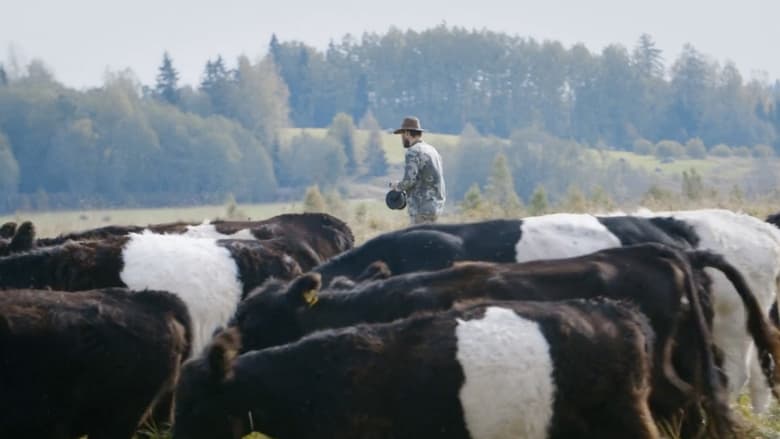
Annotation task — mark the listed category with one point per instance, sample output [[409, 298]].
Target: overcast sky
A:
[[80, 39]]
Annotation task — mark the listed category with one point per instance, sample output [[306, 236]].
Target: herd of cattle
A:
[[557, 326]]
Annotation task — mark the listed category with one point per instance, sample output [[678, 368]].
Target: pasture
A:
[[367, 218]]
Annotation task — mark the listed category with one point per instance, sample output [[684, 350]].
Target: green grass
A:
[[651, 163]]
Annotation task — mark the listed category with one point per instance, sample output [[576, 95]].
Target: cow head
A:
[[202, 396], [269, 316], [24, 238], [7, 230]]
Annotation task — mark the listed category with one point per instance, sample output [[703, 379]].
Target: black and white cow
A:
[[437, 246], [654, 276], [310, 238], [751, 245], [87, 363], [211, 276], [495, 370]]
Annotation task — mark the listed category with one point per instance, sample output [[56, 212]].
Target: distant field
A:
[[366, 217], [54, 223], [722, 172], [390, 141]]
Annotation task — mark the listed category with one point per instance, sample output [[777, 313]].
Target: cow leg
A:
[[760, 394], [162, 412], [728, 329]]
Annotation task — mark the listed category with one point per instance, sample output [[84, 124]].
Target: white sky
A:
[[80, 39]]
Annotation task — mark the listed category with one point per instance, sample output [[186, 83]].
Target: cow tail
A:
[[715, 401], [766, 338]]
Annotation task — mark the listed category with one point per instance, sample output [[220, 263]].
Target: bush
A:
[[763, 151], [695, 149], [668, 150], [644, 147], [721, 150], [742, 151]]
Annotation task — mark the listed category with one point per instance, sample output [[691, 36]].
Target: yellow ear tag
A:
[[310, 297]]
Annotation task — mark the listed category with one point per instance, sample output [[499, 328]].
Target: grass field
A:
[[366, 217]]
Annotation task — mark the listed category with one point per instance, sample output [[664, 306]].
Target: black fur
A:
[[311, 238], [87, 363]]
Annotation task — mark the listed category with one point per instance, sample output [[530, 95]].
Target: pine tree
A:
[[376, 158], [275, 49], [313, 201], [647, 58], [538, 201], [501, 188], [360, 102], [473, 205], [216, 84], [342, 129], [167, 81]]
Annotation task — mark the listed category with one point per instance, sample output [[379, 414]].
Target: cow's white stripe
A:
[[209, 231], [562, 235], [201, 273], [509, 386]]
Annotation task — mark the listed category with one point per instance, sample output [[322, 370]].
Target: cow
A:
[[87, 363], [21, 240], [437, 246], [211, 276], [310, 238], [654, 276], [753, 247], [7, 230], [748, 243], [487, 370]]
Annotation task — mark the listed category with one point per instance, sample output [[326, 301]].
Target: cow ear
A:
[[24, 237], [223, 350], [303, 290], [376, 271]]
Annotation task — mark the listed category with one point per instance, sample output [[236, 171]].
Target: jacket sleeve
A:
[[411, 170]]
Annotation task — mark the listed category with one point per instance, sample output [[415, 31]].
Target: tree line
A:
[[542, 112]]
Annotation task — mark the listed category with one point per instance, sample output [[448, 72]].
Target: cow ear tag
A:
[[310, 297]]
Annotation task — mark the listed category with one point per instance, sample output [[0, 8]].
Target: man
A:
[[423, 180]]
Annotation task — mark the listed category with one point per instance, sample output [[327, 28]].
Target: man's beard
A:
[[407, 142]]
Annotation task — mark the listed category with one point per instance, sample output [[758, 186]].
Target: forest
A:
[[527, 115]]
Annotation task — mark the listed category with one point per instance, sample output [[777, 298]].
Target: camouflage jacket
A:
[[423, 180]]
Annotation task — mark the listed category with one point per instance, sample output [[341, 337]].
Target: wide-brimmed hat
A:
[[411, 124], [395, 199]]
